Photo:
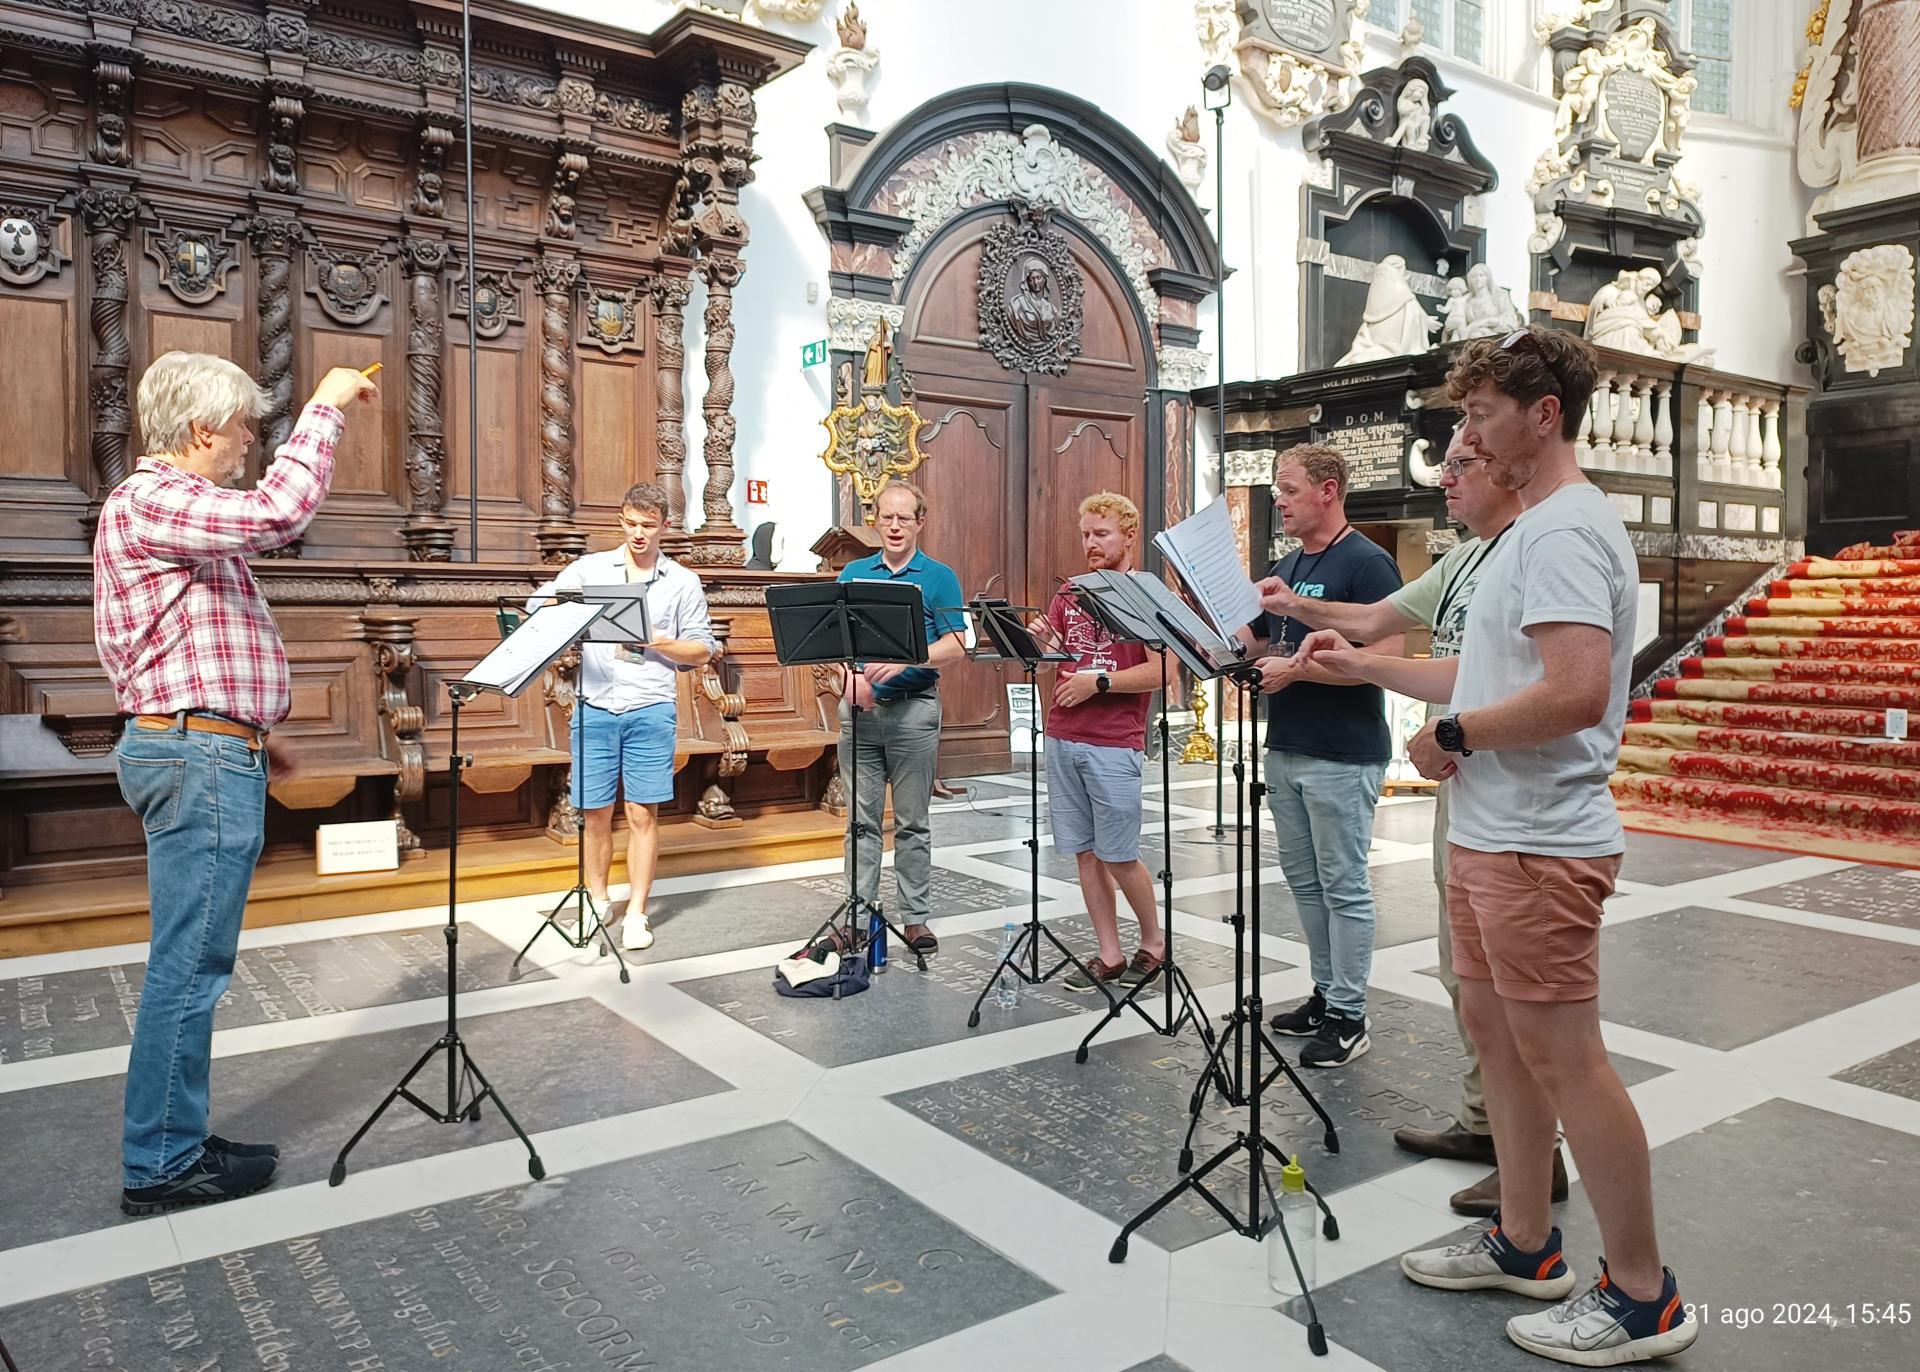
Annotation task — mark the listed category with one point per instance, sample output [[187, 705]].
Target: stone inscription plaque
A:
[[1311, 28], [764, 1249], [908, 1009], [1107, 1133], [1877, 895], [1375, 446], [554, 1064], [1714, 1186], [1725, 980], [1636, 111], [73, 1012], [1633, 182]]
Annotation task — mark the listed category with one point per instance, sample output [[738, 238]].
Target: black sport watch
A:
[[1451, 737], [1103, 683]]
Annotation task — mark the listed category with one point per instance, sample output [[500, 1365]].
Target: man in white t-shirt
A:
[[629, 718], [1539, 695]]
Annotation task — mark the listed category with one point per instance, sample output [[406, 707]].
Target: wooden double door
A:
[[1012, 454]]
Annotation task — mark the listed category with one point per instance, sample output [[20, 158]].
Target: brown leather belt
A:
[[205, 724]]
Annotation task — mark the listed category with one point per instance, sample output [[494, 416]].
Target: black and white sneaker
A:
[[1340, 1040], [214, 1177], [1303, 1021]]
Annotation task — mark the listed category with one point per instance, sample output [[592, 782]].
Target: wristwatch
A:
[[1451, 737], [1103, 683]]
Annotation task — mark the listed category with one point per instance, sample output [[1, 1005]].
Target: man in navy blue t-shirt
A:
[[1327, 753]]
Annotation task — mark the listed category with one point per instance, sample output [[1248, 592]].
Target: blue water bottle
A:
[[876, 942]]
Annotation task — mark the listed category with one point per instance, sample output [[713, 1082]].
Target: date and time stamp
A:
[[1832, 1314]]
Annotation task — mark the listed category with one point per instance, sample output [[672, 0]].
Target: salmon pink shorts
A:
[[1527, 923]]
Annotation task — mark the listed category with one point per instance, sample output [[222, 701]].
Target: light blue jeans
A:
[[1323, 825], [202, 799]]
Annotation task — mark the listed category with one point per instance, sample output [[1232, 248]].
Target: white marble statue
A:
[[1393, 324], [1188, 152], [851, 65], [1868, 310], [1414, 131], [1481, 309], [1617, 316]]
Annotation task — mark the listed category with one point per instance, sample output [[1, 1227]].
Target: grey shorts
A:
[[1093, 796]]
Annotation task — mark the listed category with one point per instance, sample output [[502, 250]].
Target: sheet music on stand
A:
[[1143, 607], [530, 649], [1202, 549]]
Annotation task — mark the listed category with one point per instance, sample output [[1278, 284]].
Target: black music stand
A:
[[848, 623], [1137, 606], [623, 620], [507, 670], [1014, 642]]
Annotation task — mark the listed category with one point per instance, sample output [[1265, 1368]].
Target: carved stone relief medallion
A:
[[1031, 295], [349, 285]]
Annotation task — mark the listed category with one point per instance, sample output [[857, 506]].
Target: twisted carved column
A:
[[109, 214], [718, 541], [428, 535], [669, 427], [274, 239], [559, 539], [391, 632]]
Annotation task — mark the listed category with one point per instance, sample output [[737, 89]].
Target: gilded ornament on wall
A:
[[870, 441]]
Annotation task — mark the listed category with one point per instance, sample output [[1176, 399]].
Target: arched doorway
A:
[[1041, 271]]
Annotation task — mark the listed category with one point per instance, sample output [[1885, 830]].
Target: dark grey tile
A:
[[73, 1012], [1742, 1226], [1195, 854], [1406, 905], [554, 1065], [908, 1009], [1160, 1364], [1661, 861], [1107, 1133], [952, 827], [1897, 1072], [1724, 980], [1879, 895], [725, 918], [761, 1250]]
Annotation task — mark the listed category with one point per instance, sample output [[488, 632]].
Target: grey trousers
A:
[[899, 744], [1473, 1100]]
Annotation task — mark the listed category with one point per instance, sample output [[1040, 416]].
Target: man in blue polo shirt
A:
[[900, 735]]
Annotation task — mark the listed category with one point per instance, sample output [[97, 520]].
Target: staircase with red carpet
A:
[[1775, 734]]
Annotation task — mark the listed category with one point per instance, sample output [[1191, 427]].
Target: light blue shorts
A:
[[1093, 798], [630, 752]]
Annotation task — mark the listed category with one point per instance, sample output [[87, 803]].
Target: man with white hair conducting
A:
[[199, 671]]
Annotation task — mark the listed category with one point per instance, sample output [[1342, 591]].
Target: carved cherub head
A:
[[853, 30]]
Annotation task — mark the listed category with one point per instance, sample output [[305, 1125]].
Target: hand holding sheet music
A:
[[1203, 551]]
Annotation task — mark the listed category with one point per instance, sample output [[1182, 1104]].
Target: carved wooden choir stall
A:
[[280, 183]]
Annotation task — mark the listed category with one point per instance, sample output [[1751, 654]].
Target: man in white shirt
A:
[[629, 717], [1539, 695]]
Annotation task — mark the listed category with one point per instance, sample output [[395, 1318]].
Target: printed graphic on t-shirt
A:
[[1088, 640]]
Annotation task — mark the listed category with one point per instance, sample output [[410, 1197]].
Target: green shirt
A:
[[1440, 596]]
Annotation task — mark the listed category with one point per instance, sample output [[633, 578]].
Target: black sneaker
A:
[[216, 1144], [1303, 1021], [1339, 1041], [213, 1178]]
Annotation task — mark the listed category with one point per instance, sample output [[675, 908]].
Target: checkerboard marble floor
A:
[[737, 1181]]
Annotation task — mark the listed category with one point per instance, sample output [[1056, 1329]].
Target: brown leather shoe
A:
[[1483, 1197], [1456, 1141], [921, 939]]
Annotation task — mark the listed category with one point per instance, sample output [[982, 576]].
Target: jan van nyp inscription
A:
[[764, 1249], [73, 1012]]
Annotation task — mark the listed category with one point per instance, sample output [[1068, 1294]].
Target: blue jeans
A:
[[1323, 825], [202, 799]]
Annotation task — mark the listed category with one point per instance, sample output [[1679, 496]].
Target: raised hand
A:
[[342, 386]]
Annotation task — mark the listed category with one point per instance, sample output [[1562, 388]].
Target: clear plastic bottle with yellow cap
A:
[[1299, 1216]]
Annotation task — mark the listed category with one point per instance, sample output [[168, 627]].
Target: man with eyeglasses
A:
[[900, 736], [1538, 697], [1436, 601]]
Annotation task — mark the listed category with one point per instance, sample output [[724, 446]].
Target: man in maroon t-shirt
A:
[[1096, 753]]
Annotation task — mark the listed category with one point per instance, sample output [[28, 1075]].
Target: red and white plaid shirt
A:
[[177, 617]]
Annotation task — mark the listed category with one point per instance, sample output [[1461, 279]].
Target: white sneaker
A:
[[1487, 1261], [635, 933], [1605, 1327]]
